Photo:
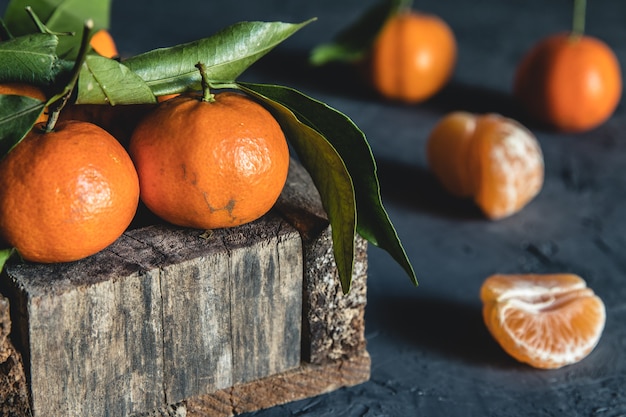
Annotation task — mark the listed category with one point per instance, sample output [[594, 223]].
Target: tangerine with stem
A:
[[413, 56], [210, 160], [570, 81]]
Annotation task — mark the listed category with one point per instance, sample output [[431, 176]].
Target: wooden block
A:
[[169, 318], [306, 381], [132, 330]]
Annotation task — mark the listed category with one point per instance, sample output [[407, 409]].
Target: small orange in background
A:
[[413, 57], [210, 164], [545, 320], [66, 194], [103, 43], [489, 157], [23, 89], [571, 83]]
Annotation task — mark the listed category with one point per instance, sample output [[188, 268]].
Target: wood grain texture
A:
[[162, 315], [306, 381]]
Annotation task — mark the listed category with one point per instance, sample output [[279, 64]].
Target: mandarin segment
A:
[[413, 57], [447, 150], [66, 194], [210, 164], [509, 164], [545, 320], [491, 158]]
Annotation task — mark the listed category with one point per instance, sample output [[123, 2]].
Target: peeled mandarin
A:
[[491, 158]]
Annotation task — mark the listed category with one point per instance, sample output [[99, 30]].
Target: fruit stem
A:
[[207, 96], [4, 31], [61, 99], [41, 26], [578, 23], [404, 6]]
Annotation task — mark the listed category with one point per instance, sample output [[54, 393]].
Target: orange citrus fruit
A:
[[413, 57], [489, 157], [545, 320], [103, 43], [210, 164], [22, 89], [166, 97], [572, 83], [66, 194]]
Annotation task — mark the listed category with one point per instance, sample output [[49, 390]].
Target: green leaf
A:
[[59, 16], [354, 41], [328, 172], [106, 81], [30, 59], [17, 116], [5, 254], [225, 55], [348, 142]]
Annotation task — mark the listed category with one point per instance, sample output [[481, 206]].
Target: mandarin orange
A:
[[66, 194], [210, 164], [489, 157], [571, 83], [413, 57], [103, 43], [545, 320]]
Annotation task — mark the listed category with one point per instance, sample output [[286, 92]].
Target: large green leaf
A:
[[328, 172], [353, 42], [59, 16], [17, 116], [30, 59], [106, 81], [225, 56], [348, 142]]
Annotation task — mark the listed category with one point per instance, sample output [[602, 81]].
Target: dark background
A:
[[431, 354]]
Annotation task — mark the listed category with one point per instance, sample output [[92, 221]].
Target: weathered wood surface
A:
[[14, 399], [306, 381], [169, 316]]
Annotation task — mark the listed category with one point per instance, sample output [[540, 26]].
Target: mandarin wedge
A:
[[544, 320]]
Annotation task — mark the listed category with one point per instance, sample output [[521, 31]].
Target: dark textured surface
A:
[[431, 354]]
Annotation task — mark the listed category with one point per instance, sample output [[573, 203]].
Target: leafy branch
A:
[[330, 146]]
